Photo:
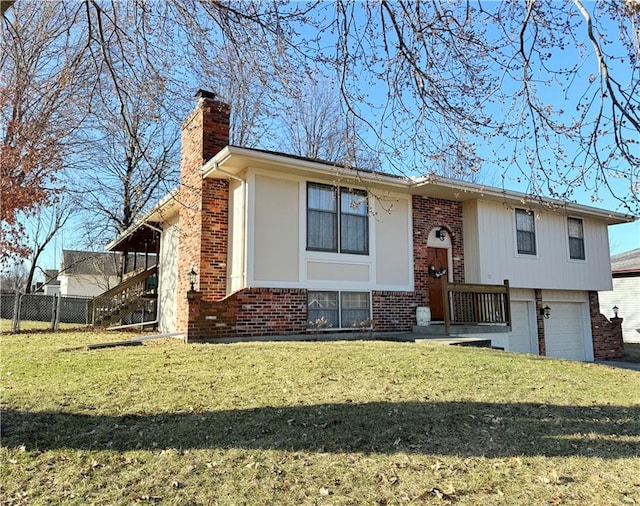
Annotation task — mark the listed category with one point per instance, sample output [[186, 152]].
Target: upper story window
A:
[[526, 232], [337, 219], [576, 239]]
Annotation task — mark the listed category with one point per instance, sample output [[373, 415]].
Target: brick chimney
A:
[[203, 204]]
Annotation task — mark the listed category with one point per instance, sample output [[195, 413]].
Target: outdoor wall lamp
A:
[[615, 311], [441, 234], [546, 312], [193, 276]]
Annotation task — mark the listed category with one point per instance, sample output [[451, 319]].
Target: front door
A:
[[438, 269]]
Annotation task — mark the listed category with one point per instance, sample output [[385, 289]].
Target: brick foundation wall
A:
[[607, 334], [254, 312], [394, 311], [542, 350], [429, 213], [249, 312]]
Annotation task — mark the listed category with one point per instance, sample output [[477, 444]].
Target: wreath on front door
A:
[[437, 272]]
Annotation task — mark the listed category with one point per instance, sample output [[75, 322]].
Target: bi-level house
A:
[[257, 243]]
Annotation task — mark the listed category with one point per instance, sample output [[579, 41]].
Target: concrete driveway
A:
[[624, 365]]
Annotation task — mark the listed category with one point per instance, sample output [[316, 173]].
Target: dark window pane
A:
[[355, 308], [526, 232], [321, 230], [353, 202], [321, 307], [354, 234], [321, 197], [526, 243], [576, 239], [354, 222], [576, 248]]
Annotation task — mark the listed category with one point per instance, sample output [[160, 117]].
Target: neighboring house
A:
[[278, 241], [625, 270], [51, 282], [88, 273]]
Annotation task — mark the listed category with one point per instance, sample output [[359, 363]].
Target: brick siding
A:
[[202, 243], [542, 348], [393, 311], [249, 312], [430, 213], [607, 334]]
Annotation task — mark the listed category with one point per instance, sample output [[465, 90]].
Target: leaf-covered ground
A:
[[311, 423]]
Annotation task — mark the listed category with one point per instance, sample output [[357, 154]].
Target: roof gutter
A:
[[213, 166], [522, 198]]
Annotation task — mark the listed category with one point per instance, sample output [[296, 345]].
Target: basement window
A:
[[337, 310]]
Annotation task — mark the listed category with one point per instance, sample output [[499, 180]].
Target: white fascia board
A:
[[251, 158], [522, 199]]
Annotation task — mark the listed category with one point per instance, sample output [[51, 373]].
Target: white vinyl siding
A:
[[168, 276], [551, 268], [523, 336], [236, 243], [393, 249], [626, 296]]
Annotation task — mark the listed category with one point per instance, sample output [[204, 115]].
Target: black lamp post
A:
[[615, 311], [193, 275]]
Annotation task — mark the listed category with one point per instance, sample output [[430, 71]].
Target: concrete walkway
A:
[[623, 365]]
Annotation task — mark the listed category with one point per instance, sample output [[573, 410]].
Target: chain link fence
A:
[[26, 311]]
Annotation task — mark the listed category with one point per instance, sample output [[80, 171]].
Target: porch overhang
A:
[[142, 237]]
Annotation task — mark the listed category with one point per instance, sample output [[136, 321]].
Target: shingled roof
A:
[[627, 262], [90, 263]]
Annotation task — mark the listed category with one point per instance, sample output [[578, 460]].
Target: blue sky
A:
[[622, 237]]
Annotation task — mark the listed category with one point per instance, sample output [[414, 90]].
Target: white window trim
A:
[[338, 190], [515, 235], [584, 241]]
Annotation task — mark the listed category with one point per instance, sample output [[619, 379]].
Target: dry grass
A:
[[340, 423], [30, 325]]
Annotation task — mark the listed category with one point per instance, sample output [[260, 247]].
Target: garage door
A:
[[519, 339], [564, 331]]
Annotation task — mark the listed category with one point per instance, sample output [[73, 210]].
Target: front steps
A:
[[436, 329], [435, 332]]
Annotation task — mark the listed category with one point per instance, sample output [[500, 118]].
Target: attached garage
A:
[[523, 336], [567, 331]]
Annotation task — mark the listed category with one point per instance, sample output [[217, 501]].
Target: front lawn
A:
[[336, 423]]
